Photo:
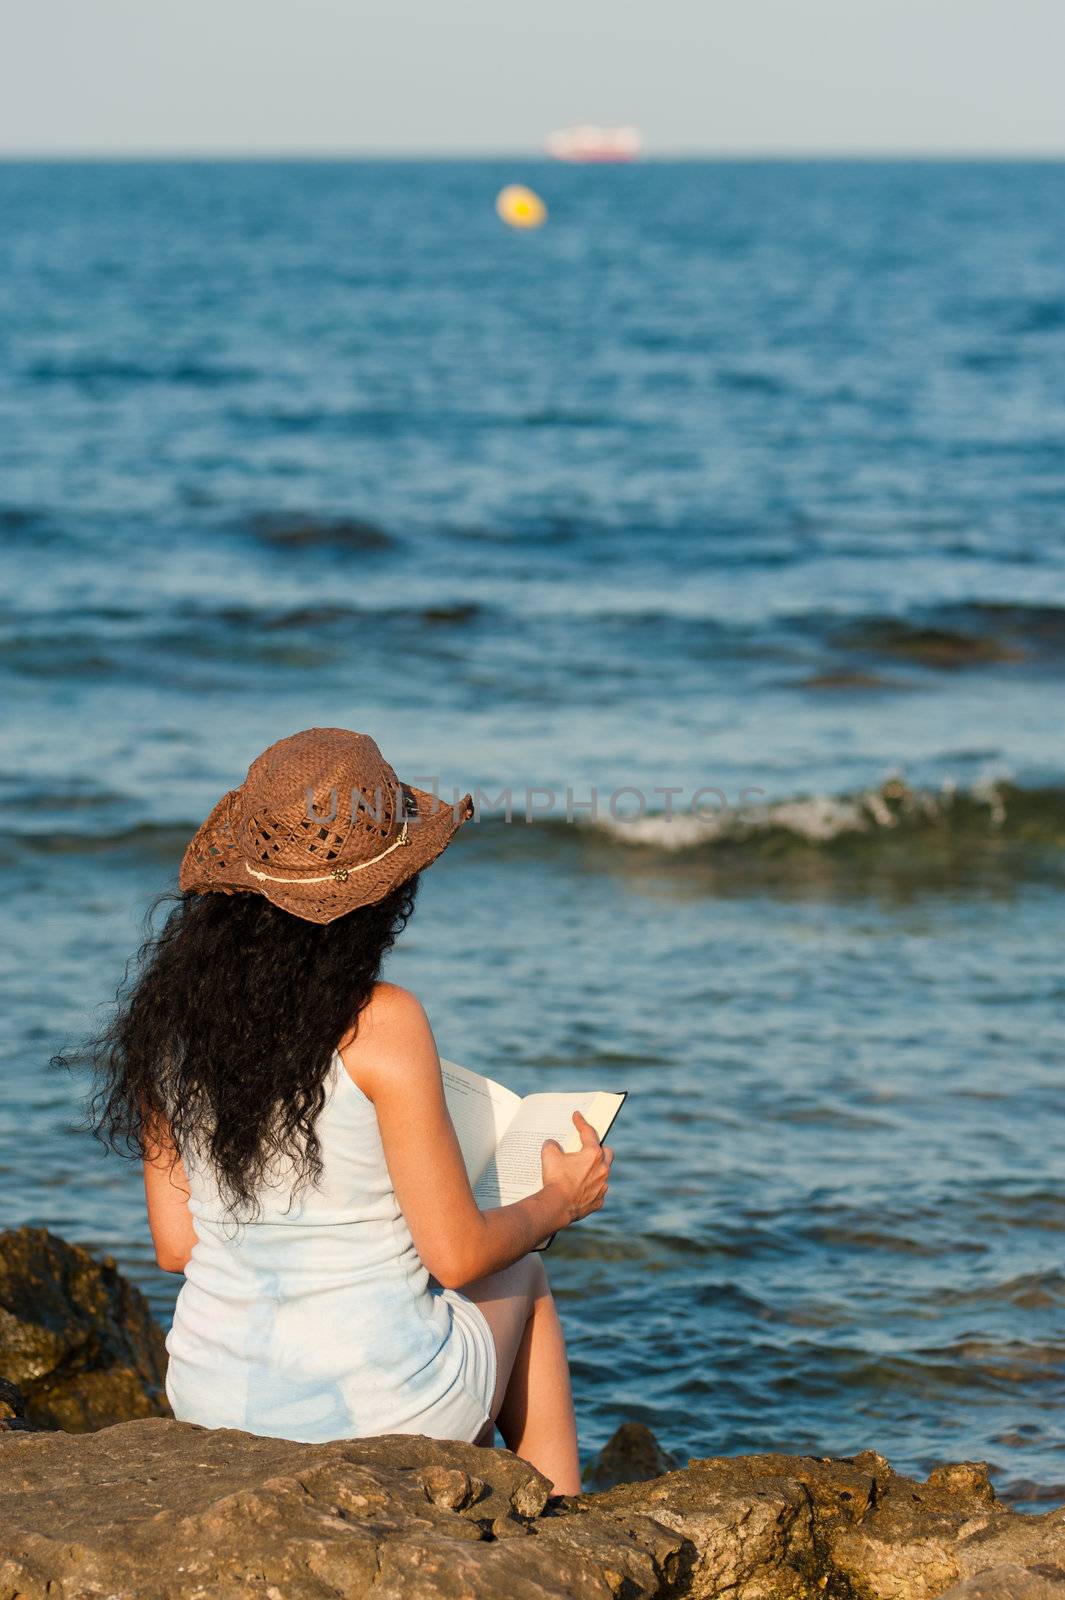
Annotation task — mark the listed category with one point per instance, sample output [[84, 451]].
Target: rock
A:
[[531, 1496], [791, 1527], [1011, 1582], [153, 1509], [922, 1538], [76, 1337], [12, 1402], [629, 1456], [162, 1510], [452, 1488], [12, 1407]]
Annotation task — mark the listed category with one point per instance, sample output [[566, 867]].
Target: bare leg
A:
[[533, 1403]]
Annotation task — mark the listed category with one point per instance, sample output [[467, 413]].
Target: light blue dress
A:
[[318, 1320]]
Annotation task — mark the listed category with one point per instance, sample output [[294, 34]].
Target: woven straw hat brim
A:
[[214, 862]]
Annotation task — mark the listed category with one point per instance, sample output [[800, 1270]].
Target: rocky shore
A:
[[153, 1509]]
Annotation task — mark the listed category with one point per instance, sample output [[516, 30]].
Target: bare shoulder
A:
[[391, 1009], [393, 1036]]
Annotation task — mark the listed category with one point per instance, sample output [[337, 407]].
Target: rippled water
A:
[[744, 478]]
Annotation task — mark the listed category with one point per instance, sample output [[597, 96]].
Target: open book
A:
[[500, 1134]]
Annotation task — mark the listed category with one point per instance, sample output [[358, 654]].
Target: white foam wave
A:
[[814, 819]]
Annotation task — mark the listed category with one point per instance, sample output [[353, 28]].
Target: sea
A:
[[713, 534]]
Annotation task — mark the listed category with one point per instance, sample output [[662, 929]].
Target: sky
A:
[[450, 77]]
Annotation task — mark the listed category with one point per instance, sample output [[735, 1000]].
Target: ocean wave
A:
[[893, 835], [1040, 316], [820, 821], [99, 369], [309, 531], [893, 832], [930, 645], [112, 641], [157, 843], [950, 637], [329, 614], [35, 527], [817, 649]]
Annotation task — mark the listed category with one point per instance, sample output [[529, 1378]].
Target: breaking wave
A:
[[893, 834]]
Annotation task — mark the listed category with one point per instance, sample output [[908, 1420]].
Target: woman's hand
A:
[[393, 1059], [579, 1180]]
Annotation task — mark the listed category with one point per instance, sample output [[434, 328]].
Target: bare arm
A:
[[394, 1060], [166, 1191]]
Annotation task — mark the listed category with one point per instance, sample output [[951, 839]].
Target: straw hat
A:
[[320, 825]]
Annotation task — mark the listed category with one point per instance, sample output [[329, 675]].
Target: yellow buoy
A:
[[520, 207]]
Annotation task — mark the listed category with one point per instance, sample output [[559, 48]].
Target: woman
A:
[[300, 1165]]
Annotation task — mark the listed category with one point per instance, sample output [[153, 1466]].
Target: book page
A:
[[514, 1172], [481, 1111]]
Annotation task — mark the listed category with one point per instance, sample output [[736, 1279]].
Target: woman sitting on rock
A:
[[300, 1164]]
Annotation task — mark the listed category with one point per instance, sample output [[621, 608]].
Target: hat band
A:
[[338, 874]]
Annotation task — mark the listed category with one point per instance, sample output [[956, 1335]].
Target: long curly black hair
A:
[[224, 1029]]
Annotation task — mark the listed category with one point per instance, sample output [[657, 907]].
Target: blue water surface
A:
[[743, 477]]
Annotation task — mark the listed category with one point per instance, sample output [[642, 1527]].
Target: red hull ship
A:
[[586, 142]]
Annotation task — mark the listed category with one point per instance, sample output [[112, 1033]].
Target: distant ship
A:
[[585, 142]]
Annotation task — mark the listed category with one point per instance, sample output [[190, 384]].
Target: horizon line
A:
[[773, 153]]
